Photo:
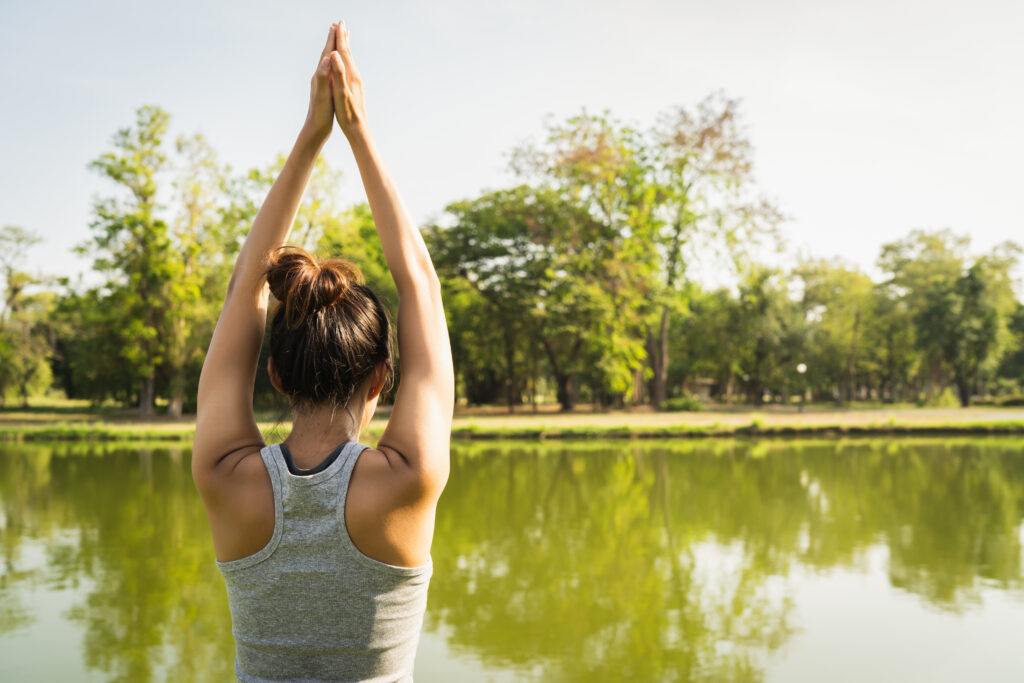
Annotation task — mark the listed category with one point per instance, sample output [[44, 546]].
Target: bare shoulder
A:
[[390, 507], [237, 468], [408, 480], [239, 501]]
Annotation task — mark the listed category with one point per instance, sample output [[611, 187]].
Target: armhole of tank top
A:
[[346, 540], [271, 458]]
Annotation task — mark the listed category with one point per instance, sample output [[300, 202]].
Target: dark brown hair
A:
[[328, 331]]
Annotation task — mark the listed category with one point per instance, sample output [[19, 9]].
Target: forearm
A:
[[403, 246], [273, 222]]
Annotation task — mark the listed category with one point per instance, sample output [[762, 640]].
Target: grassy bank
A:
[[70, 422]]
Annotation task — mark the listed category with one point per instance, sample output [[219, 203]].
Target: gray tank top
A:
[[310, 606]]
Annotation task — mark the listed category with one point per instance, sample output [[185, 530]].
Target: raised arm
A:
[[225, 425], [419, 429]]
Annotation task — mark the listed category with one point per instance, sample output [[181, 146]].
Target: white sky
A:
[[868, 118]]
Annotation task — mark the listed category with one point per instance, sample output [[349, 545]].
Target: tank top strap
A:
[[349, 455], [273, 459]]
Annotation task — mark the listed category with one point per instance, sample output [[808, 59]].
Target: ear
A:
[[274, 379], [376, 381]]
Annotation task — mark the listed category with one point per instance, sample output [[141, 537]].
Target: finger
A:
[[332, 34], [346, 51], [339, 79], [323, 69]]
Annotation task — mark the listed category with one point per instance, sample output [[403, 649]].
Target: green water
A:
[[881, 560]]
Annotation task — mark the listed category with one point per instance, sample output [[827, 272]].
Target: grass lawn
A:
[[51, 419]]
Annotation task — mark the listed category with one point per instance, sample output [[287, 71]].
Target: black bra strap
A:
[[324, 464]]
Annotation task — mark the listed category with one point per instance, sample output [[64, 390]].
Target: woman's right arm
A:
[[416, 439]]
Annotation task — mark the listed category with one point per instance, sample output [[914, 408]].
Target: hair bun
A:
[[303, 285]]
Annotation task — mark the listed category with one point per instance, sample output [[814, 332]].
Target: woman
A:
[[324, 542]]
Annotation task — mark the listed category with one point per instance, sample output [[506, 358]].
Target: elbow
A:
[[432, 476], [427, 275], [423, 280], [434, 284]]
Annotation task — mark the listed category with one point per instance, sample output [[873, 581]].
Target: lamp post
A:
[[802, 370]]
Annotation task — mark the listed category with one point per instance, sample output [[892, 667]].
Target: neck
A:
[[316, 432]]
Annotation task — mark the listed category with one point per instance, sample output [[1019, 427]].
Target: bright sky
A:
[[869, 118]]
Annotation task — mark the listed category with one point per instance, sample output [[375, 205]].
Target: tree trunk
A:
[[963, 386], [566, 391], [177, 400], [851, 365], [178, 355], [533, 380], [146, 390], [564, 379], [638, 387], [24, 394], [510, 370], [657, 353]]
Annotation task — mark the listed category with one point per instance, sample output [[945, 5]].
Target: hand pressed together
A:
[[336, 90]]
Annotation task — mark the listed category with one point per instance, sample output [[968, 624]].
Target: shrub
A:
[[683, 403]]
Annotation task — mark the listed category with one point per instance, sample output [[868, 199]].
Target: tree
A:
[[837, 302], [703, 170], [88, 344], [707, 343], [600, 166], [528, 253], [1012, 365], [25, 333], [973, 315], [133, 249], [771, 331], [196, 228], [893, 348], [921, 263], [682, 185], [961, 307]]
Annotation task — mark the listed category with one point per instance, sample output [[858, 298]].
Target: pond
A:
[[886, 560]]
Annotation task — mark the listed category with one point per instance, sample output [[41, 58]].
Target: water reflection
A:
[[121, 529], [595, 561]]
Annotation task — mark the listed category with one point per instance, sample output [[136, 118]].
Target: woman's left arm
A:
[[225, 423]]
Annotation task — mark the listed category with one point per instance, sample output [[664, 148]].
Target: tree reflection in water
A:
[[154, 607], [586, 561]]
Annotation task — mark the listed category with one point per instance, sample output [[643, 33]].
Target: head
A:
[[330, 335]]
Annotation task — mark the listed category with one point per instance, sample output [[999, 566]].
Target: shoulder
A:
[[390, 507], [398, 479], [230, 472]]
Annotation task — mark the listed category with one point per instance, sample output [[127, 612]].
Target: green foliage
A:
[[961, 311], [530, 256], [1012, 365], [144, 330], [131, 246], [25, 328], [683, 403], [576, 282], [837, 304]]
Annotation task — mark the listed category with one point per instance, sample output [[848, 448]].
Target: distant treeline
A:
[[575, 284]]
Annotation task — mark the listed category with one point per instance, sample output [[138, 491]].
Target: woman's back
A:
[[307, 600], [310, 605]]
